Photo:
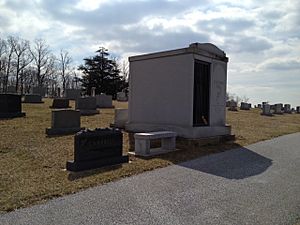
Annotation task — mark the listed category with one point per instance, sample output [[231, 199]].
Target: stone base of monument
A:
[[12, 115], [185, 143], [97, 148], [153, 152], [93, 164], [88, 112]]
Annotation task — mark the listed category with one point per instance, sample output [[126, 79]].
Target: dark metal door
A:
[[201, 93]]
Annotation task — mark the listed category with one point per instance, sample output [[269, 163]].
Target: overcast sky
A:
[[261, 38]]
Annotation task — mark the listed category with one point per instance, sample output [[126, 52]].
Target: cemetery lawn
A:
[[32, 166]]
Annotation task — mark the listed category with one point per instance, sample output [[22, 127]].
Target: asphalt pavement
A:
[[257, 184]]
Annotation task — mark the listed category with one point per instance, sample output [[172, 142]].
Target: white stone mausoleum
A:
[[182, 90]]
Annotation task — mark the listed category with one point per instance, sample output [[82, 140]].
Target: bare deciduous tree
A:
[[11, 43], [23, 58], [64, 63], [41, 59], [3, 50]]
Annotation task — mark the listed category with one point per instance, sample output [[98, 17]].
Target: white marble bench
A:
[[142, 141]]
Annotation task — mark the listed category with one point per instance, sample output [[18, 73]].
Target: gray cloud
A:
[[247, 44], [282, 65], [117, 13], [225, 26]]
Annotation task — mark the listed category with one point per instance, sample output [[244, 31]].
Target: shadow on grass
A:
[[86, 173], [58, 135]]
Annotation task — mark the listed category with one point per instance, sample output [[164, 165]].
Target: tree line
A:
[[25, 64]]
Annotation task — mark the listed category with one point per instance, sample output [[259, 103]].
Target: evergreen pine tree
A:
[[102, 72]]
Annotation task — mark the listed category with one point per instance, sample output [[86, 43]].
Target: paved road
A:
[[259, 184]]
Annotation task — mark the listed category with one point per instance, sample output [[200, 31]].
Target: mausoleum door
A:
[[201, 93]]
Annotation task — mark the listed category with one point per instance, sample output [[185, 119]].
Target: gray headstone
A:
[[298, 109], [287, 108], [93, 91], [86, 106], [104, 101], [39, 91], [73, 94], [278, 108], [232, 106], [122, 97], [65, 121], [11, 89], [60, 103], [58, 92], [266, 110], [33, 99], [245, 106], [121, 118]]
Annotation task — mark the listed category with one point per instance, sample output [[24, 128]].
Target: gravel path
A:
[[258, 184]]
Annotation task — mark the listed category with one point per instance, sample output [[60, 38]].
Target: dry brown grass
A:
[[32, 167]]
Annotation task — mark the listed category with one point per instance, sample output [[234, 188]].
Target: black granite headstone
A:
[[97, 148], [10, 106], [60, 103]]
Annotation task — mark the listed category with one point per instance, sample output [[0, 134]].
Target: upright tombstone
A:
[[259, 106], [278, 108], [72, 94], [11, 90], [232, 106], [287, 108], [121, 118], [10, 106], [266, 110], [93, 91], [86, 106], [298, 109], [97, 148], [60, 103], [245, 106], [64, 121], [58, 92], [39, 91], [272, 107], [32, 98], [182, 90], [104, 101], [122, 97]]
